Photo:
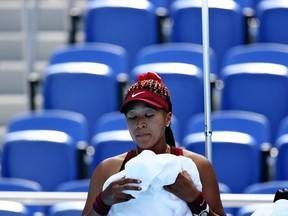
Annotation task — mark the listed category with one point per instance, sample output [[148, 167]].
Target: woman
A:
[[148, 112]]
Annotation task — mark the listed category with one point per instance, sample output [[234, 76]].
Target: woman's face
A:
[[147, 124]]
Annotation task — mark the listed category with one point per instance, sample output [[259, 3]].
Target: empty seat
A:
[[16, 184], [46, 157], [176, 52], [112, 55], [12, 208], [72, 208], [269, 187], [281, 166], [256, 87], [257, 52], [227, 26], [231, 148], [72, 123], [273, 18], [129, 24], [81, 185], [86, 88]]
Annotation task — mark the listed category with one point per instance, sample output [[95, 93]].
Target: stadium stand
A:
[[27, 51]]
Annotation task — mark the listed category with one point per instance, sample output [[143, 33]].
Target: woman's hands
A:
[[184, 188], [114, 192]]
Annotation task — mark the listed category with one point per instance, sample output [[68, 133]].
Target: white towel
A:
[[279, 208], [154, 171]]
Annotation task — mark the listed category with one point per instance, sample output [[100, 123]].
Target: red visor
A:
[[146, 96]]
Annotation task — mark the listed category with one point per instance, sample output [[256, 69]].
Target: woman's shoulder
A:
[[198, 159]]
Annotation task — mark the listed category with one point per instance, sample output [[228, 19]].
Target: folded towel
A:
[[154, 171]]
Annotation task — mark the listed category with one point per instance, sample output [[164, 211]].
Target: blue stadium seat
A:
[[257, 87], [86, 88], [112, 55], [46, 157], [80, 185], [232, 149], [273, 18], [227, 26], [185, 83], [16, 184], [12, 208], [257, 52], [269, 187], [72, 208], [176, 52], [234, 121], [129, 24], [111, 137], [72, 123], [281, 166]]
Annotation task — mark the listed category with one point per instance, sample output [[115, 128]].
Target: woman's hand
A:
[[114, 192], [184, 188]]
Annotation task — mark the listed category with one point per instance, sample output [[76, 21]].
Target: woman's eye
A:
[[148, 115], [131, 117]]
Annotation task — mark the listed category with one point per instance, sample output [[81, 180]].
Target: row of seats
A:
[[245, 4], [75, 208], [137, 24], [57, 142], [179, 64]]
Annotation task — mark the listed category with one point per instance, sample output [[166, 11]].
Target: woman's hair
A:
[[153, 83]]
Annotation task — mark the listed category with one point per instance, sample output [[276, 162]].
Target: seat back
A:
[[12, 208], [185, 84], [269, 187], [81, 87], [231, 147], [109, 54], [129, 24], [15, 184], [81, 185], [257, 52], [273, 18], [226, 24], [281, 167], [72, 123], [72, 208], [238, 121], [46, 157], [176, 52], [228, 157], [257, 87]]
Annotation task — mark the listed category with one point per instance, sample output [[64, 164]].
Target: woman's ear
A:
[[168, 119]]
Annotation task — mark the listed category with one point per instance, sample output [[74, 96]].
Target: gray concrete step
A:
[[12, 44], [11, 104], [53, 15]]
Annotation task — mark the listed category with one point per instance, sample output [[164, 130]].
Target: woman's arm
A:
[[186, 190], [99, 201]]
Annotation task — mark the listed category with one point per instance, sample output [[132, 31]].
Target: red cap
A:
[[145, 95]]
